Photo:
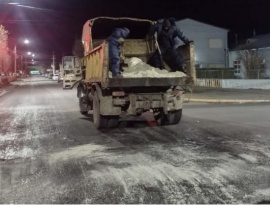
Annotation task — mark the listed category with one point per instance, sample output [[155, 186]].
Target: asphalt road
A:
[[49, 153]]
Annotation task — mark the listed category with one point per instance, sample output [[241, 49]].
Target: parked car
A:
[[60, 78], [50, 76], [55, 77]]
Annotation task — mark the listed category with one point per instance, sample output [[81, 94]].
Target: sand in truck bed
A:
[[138, 69]]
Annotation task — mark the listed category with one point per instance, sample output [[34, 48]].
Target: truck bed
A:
[[96, 64]]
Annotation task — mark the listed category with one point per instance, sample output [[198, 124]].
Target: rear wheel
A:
[[82, 102], [100, 121], [174, 117], [83, 106], [171, 118], [160, 118]]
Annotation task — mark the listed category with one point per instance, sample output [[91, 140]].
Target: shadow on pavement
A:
[[264, 202], [127, 122]]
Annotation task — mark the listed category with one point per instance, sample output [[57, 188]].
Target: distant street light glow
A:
[[29, 53], [26, 41], [33, 55], [31, 7]]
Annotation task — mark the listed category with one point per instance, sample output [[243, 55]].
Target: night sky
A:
[[53, 25]]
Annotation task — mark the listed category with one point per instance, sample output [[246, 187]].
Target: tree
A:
[[253, 61], [78, 48], [5, 59]]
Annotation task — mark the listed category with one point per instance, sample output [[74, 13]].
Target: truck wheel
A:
[[83, 110], [82, 102], [160, 118], [99, 120], [172, 118], [113, 122]]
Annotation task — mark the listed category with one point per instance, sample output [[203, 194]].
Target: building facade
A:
[[211, 43], [256, 49]]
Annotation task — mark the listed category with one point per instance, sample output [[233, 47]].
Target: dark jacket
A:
[[114, 45], [166, 40]]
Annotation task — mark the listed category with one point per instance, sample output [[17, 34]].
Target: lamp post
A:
[[15, 61], [26, 41]]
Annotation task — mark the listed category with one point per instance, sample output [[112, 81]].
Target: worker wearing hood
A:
[[115, 41], [166, 31]]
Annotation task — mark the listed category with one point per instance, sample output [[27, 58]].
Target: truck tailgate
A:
[[148, 82]]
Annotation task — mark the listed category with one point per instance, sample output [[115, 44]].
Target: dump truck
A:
[[109, 97]]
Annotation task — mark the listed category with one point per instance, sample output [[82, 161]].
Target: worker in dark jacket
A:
[[166, 32], [115, 41]]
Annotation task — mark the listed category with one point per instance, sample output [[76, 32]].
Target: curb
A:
[[210, 100]]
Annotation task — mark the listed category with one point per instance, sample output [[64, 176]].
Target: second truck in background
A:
[[71, 71]]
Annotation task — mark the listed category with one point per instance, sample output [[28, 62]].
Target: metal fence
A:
[[230, 73], [256, 74], [219, 73]]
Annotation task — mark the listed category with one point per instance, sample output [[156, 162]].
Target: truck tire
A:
[[172, 118], [82, 106], [99, 120], [160, 118], [82, 101]]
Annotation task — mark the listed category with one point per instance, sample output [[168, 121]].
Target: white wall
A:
[[234, 83], [246, 83]]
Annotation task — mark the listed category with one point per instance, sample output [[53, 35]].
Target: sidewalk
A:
[[219, 95], [6, 88], [2, 90]]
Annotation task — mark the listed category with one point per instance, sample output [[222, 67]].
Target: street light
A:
[[29, 53], [26, 41], [33, 55]]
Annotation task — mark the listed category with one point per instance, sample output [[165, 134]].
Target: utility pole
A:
[[53, 66], [15, 61], [25, 65]]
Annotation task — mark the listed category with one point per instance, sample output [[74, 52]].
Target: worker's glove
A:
[[121, 41], [122, 58]]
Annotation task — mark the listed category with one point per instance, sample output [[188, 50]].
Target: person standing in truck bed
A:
[[115, 41], [166, 32]]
